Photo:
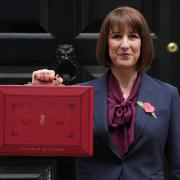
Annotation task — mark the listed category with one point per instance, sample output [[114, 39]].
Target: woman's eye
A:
[[116, 36], [134, 36]]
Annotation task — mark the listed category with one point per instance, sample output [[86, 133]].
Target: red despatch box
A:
[[46, 120]]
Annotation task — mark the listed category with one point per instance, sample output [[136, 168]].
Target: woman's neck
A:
[[126, 79]]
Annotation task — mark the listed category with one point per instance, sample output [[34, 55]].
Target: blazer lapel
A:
[[146, 94], [100, 108]]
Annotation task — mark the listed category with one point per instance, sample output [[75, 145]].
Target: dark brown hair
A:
[[120, 18]]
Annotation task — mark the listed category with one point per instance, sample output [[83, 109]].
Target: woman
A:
[[137, 118]]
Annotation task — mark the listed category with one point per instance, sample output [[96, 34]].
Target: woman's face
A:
[[124, 48]]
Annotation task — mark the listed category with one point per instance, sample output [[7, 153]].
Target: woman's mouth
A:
[[124, 55]]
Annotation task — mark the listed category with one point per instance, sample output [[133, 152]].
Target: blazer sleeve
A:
[[173, 143]]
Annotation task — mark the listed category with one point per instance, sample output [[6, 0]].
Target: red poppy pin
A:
[[148, 108]]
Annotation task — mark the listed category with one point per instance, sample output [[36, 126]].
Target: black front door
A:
[[169, 54]]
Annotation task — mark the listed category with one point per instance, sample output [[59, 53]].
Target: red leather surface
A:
[[46, 120]]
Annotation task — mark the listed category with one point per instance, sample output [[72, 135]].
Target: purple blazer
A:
[[155, 153]]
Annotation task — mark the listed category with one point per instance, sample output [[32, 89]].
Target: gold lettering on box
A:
[[42, 149], [42, 119]]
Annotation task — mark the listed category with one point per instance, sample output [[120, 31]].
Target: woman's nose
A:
[[125, 42]]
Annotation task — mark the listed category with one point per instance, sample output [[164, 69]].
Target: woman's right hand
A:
[[46, 77]]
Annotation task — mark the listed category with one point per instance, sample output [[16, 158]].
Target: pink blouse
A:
[[121, 114]]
